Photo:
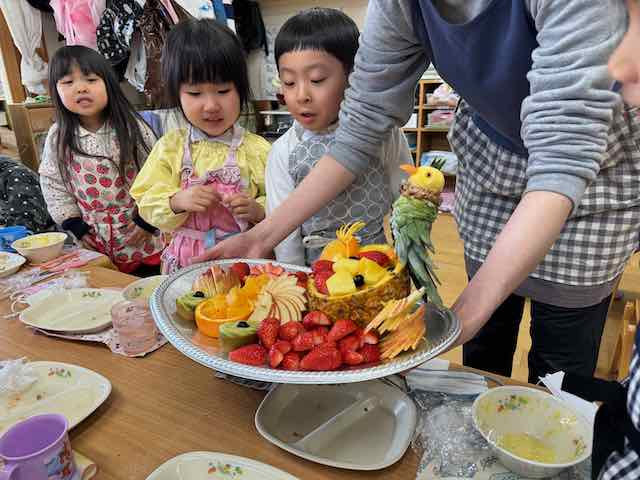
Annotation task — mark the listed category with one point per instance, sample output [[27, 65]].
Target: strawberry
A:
[[320, 335], [370, 338], [275, 356], [322, 358], [322, 266], [352, 358], [291, 361], [282, 346], [350, 343], [380, 258], [314, 319], [241, 269], [320, 279], [290, 330], [268, 331], [370, 353], [253, 354], [341, 329], [302, 279], [303, 342]]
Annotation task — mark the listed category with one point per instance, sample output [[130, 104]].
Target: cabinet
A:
[[424, 137], [30, 123]]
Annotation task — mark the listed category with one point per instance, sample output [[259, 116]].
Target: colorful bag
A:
[[21, 200], [77, 20], [116, 28]]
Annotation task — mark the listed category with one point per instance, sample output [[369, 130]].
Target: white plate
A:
[[216, 466], [364, 426], [143, 288], [80, 310], [10, 263], [442, 330], [69, 390]]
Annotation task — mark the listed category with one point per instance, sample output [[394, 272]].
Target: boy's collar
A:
[[301, 131]]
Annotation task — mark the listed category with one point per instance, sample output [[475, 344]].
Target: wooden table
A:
[[163, 405]]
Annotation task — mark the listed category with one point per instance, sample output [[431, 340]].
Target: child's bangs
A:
[[87, 61], [211, 65]]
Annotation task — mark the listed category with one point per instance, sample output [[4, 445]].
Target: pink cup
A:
[[37, 448], [134, 326]]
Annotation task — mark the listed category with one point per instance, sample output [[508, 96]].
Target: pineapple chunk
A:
[[348, 264], [341, 283], [371, 271]]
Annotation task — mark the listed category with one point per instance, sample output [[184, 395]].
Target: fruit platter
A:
[[349, 319]]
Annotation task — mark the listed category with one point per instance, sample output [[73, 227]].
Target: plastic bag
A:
[[451, 448], [16, 376]]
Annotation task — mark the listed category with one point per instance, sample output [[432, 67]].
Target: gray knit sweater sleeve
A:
[[565, 118], [389, 63]]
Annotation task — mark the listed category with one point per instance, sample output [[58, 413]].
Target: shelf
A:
[[410, 130], [435, 129]]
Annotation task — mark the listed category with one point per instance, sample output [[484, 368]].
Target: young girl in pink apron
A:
[[204, 183], [91, 156]]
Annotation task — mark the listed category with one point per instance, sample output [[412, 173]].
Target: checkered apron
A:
[[600, 235], [367, 199], [626, 465]]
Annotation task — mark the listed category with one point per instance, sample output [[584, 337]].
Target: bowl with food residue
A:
[[531, 432], [41, 247]]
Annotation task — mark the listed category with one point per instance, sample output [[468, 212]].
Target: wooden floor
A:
[[450, 261]]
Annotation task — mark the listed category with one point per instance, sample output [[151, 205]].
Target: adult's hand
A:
[[243, 245], [525, 240]]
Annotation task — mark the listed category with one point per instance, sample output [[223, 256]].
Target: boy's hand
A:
[[245, 207], [194, 199]]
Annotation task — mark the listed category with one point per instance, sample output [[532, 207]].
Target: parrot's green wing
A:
[[411, 222]]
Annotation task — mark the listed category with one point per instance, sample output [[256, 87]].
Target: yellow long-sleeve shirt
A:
[[159, 178]]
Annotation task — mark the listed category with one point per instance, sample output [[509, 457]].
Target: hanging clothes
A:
[[170, 10], [43, 5], [250, 26], [198, 8], [115, 31], [77, 20], [136, 72], [223, 10], [155, 23], [25, 25]]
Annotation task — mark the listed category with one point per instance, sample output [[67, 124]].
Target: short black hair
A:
[[324, 29], [203, 51]]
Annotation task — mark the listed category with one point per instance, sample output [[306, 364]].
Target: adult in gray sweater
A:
[[548, 187]]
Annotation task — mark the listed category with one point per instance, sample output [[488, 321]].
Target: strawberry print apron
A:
[[202, 230], [105, 203]]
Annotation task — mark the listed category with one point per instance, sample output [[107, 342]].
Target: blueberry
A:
[[242, 325], [358, 280], [198, 294]]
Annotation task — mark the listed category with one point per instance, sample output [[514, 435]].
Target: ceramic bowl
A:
[[143, 288], [10, 263], [41, 247], [514, 419]]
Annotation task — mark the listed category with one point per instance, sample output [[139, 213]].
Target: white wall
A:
[[276, 12]]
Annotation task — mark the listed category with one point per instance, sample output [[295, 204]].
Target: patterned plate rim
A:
[[186, 347]]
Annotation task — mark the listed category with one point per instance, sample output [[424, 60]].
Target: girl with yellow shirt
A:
[[206, 182]]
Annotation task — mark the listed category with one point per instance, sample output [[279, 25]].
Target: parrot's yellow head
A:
[[429, 178]]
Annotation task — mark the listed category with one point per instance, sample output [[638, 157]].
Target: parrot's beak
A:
[[410, 169]]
